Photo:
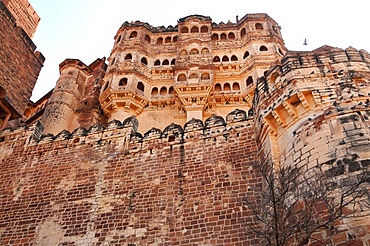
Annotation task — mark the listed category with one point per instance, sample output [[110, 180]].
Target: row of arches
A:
[[123, 82], [231, 35], [163, 91], [195, 51], [183, 77], [234, 86], [226, 58], [194, 29], [165, 62]]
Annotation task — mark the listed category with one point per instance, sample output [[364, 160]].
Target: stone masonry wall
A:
[[19, 65], [113, 186]]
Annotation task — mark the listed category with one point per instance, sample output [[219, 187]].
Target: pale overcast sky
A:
[[84, 29]]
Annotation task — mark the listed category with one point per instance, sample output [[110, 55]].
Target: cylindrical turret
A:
[[61, 109]]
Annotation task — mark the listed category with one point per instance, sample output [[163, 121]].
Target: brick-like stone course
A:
[[109, 187]]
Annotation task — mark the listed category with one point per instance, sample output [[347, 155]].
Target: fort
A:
[[156, 144]]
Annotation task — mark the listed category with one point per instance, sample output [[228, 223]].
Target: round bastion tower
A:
[[61, 108]]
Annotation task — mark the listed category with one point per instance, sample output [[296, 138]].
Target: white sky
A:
[[84, 29]]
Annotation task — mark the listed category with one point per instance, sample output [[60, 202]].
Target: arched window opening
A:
[[183, 53], [154, 91], [227, 87], [128, 57], [113, 61], [171, 91], [204, 29], [165, 62], [167, 40], [231, 36], [217, 87], [214, 37], [205, 76], [223, 36], [225, 58], [263, 48], [174, 39], [147, 38], [144, 61], [265, 73], [157, 63], [246, 54], [259, 26], [216, 59], [249, 81], [236, 86], [194, 52], [181, 77], [243, 33], [194, 29], [160, 40], [234, 58], [173, 61], [184, 29], [163, 91], [193, 76], [140, 86], [133, 34], [205, 51], [118, 39], [123, 82], [281, 52]]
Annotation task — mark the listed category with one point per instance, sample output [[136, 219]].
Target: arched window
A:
[[205, 76], [171, 90], [174, 39], [217, 87], [113, 61], [128, 57], [193, 76], [204, 29], [140, 86], [123, 82], [106, 86], [227, 87], [243, 33], [265, 73], [263, 48], [194, 29], [223, 36], [194, 52], [234, 58], [246, 54], [181, 77], [157, 63], [154, 91], [214, 37], [231, 35], [165, 62], [167, 40], [183, 53], [205, 51], [249, 81], [236, 86], [118, 39], [259, 26], [163, 91], [133, 34], [160, 40], [144, 61], [147, 38], [225, 58], [184, 29], [173, 61], [216, 59]]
